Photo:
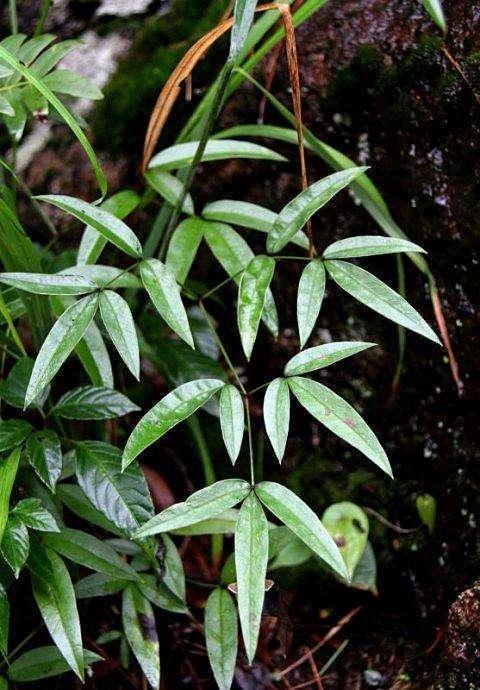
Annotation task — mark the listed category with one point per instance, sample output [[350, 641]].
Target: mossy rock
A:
[[120, 119]]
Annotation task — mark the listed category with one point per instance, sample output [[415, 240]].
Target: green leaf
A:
[[44, 662], [251, 555], [123, 498], [221, 634], [50, 57], [285, 549], [183, 247], [369, 245], [55, 597], [103, 276], [176, 406], [247, 215], [44, 453], [8, 318], [108, 225], [93, 355], [170, 188], [13, 432], [434, 9], [14, 387], [89, 552], [161, 285], [311, 289], [348, 526], [33, 79], [174, 574], [90, 402], [339, 417], [243, 14], [118, 320], [46, 284], [234, 254], [160, 595], [222, 524], [71, 84], [32, 48], [303, 522], [427, 510], [276, 415], [182, 155], [59, 343], [232, 420], [365, 574], [297, 212], [8, 472], [206, 503], [252, 290], [76, 501], [99, 585], [369, 290], [141, 632], [322, 356], [5, 105], [15, 544], [92, 243], [33, 514], [4, 621]]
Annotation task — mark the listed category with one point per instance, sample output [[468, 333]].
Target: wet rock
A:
[[462, 639]]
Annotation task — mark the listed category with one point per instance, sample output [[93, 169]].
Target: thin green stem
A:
[[43, 16], [258, 388], [12, 10]]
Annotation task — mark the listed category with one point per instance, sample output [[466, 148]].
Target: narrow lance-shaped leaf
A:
[[297, 212], [104, 276], [435, 10], [108, 225], [59, 343], [44, 662], [372, 292], [243, 13], [276, 414], [251, 555], [321, 356], [183, 247], [176, 406], [369, 245], [45, 456], [159, 281], [339, 417], [221, 634], [302, 521], [55, 597], [8, 472], [118, 320], [206, 503], [46, 284], [311, 289], [92, 402], [182, 155], [170, 188], [252, 290], [15, 544], [232, 420], [141, 631]]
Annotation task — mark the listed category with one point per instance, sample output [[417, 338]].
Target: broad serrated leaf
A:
[[251, 555], [303, 522], [170, 188], [311, 289], [206, 503], [321, 356], [44, 453], [339, 417], [59, 343], [183, 247], [53, 591], [108, 225], [13, 432], [232, 420], [297, 212], [44, 662], [221, 635], [234, 254], [47, 284], [276, 415], [348, 525], [252, 291], [34, 515], [435, 10], [89, 552], [123, 498], [369, 245], [160, 283], [118, 320], [15, 544], [90, 402], [182, 155], [141, 632], [247, 215], [176, 406], [372, 292]]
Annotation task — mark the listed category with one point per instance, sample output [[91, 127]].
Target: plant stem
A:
[[43, 16], [12, 9]]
